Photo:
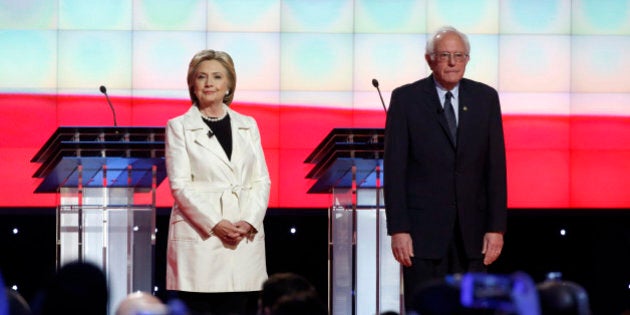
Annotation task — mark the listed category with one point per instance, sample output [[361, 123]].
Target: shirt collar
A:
[[442, 91]]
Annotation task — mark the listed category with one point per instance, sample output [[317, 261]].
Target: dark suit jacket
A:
[[429, 180]]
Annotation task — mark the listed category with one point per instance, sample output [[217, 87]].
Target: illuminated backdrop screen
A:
[[305, 67]]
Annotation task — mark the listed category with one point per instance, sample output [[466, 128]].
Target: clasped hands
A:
[[233, 233]]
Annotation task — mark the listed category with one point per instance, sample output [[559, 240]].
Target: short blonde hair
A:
[[224, 59]]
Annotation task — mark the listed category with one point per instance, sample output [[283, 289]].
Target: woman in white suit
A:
[[220, 183]]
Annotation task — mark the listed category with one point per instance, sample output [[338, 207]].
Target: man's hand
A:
[[492, 246], [402, 248]]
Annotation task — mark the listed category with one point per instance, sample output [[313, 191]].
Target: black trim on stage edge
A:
[[593, 252]]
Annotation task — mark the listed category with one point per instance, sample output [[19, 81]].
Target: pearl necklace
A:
[[214, 119]]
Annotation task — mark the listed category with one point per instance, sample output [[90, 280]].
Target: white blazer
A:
[[207, 188]]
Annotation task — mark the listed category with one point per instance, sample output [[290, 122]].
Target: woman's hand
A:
[[227, 232], [246, 229]]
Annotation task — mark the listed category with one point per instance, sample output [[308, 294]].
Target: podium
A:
[[364, 276], [105, 179]]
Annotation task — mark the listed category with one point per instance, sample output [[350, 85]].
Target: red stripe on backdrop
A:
[[553, 161]]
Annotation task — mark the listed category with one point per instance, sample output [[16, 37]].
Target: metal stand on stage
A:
[[364, 276], [105, 179]]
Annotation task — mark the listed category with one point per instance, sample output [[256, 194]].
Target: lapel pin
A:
[[465, 108]]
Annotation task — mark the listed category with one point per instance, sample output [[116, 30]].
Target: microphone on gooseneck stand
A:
[[375, 84], [104, 91]]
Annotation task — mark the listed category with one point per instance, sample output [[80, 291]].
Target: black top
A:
[[223, 131]]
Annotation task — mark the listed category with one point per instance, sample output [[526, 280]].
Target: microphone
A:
[[375, 84], [210, 134], [104, 91]]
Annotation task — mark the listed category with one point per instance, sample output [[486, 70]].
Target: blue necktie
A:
[[449, 113]]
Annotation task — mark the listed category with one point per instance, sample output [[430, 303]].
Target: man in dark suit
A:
[[445, 173]]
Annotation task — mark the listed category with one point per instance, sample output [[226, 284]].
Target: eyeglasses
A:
[[446, 56]]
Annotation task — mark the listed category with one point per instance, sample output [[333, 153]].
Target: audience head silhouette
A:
[[560, 297], [303, 303], [17, 303], [141, 303], [4, 304], [78, 288], [285, 285]]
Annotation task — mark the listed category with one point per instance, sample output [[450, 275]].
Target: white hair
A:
[[430, 48]]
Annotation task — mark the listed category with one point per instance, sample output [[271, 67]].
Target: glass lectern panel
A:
[[117, 238], [365, 275]]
